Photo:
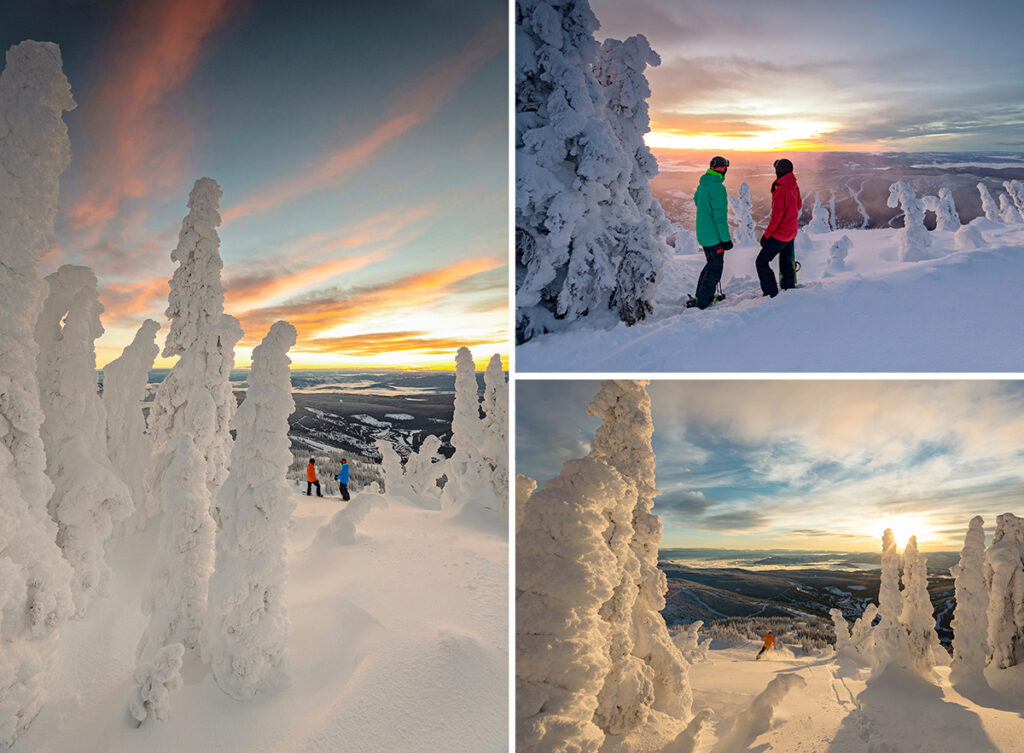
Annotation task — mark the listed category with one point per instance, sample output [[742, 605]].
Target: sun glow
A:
[[903, 527], [788, 135]]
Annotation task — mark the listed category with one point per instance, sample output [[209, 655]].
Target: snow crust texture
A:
[[246, 629], [35, 580]]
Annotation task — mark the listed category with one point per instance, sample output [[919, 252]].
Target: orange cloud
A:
[[375, 343], [331, 308], [135, 144], [122, 300], [422, 100]]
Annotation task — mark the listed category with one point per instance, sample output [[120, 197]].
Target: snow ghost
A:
[[1004, 579], [740, 210], [946, 218], [837, 263], [988, 204], [820, 220], [913, 239], [970, 621]]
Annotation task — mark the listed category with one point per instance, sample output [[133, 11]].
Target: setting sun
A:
[[903, 527], [788, 135]]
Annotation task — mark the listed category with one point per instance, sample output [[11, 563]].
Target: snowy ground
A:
[[399, 643], [961, 312], [839, 711]]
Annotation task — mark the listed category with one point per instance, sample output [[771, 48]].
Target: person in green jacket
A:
[[712, 229]]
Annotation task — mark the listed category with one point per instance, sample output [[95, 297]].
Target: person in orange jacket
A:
[[769, 642], [312, 480]]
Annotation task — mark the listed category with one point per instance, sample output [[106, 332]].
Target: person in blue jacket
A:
[[342, 478]]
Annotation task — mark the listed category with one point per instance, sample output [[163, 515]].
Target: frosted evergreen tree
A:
[[582, 243], [565, 574], [624, 441], [740, 211], [913, 240], [1004, 578], [918, 616], [88, 496], [246, 629], [837, 263], [890, 639], [154, 682], [124, 390], [988, 204], [468, 473], [946, 217], [35, 580], [970, 621], [421, 472], [820, 222], [1015, 189], [1008, 213], [525, 487], [189, 421], [390, 467], [841, 628], [495, 428], [862, 632]]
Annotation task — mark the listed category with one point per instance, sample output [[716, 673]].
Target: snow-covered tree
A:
[[390, 467], [565, 573], [1015, 189], [890, 638], [495, 427], [246, 630], [740, 210], [970, 621], [582, 243], [1008, 213], [124, 390], [946, 217], [837, 263], [624, 441], [918, 616], [525, 486], [468, 473], [35, 580], [1004, 578], [862, 632], [820, 219], [89, 497], [988, 204], [913, 240], [189, 424], [841, 628], [154, 682], [422, 471]]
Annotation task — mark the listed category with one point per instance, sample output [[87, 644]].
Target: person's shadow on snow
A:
[[900, 712]]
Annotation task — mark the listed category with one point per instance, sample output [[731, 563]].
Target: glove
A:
[[727, 246], [764, 240]]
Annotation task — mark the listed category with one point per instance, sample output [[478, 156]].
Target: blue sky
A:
[[941, 75], [361, 147], [805, 464]]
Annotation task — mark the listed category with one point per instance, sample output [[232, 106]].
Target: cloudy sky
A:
[[361, 148], [806, 464], [941, 75]]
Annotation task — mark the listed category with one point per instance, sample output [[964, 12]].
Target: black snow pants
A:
[[787, 266], [710, 276], [763, 649], [344, 491], [309, 488]]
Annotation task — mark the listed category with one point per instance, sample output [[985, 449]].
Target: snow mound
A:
[[758, 717], [341, 528]]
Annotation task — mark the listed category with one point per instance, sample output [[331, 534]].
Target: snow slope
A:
[[837, 710], [962, 311], [398, 643]]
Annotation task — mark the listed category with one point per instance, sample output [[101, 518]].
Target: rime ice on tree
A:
[[837, 263], [889, 636], [246, 630], [970, 622], [918, 616], [88, 496], [820, 221], [1008, 213], [495, 427], [35, 597], [988, 204], [468, 474], [124, 389], [1004, 578], [189, 422], [740, 207], [913, 239], [946, 217], [1015, 190]]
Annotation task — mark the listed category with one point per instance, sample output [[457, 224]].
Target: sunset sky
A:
[[361, 148], [941, 75], [809, 465]]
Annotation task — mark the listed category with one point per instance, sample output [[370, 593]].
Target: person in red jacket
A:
[[781, 231]]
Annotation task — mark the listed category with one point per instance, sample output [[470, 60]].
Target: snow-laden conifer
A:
[[862, 633], [624, 441], [88, 496], [495, 428], [525, 487], [1004, 578], [246, 629], [189, 423], [988, 204], [970, 620], [918, 616], [35, 580], [890, 638], [124, 390], [837, 263], [468, 474], [946, 217], [820, 221], [1008, 213], [913, 239], [154, 682], [1015, 190], [740, 212]]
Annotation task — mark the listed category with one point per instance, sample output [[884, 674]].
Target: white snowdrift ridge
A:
[[35, 580]]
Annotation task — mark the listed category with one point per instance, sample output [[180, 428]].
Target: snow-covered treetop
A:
[[196, 300], [620, 70], [624, 437]]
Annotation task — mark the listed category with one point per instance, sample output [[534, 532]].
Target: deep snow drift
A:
[[958, 311], [398, 642]]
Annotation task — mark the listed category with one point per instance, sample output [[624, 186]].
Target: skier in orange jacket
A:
[[769, 642], [312, 480]]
